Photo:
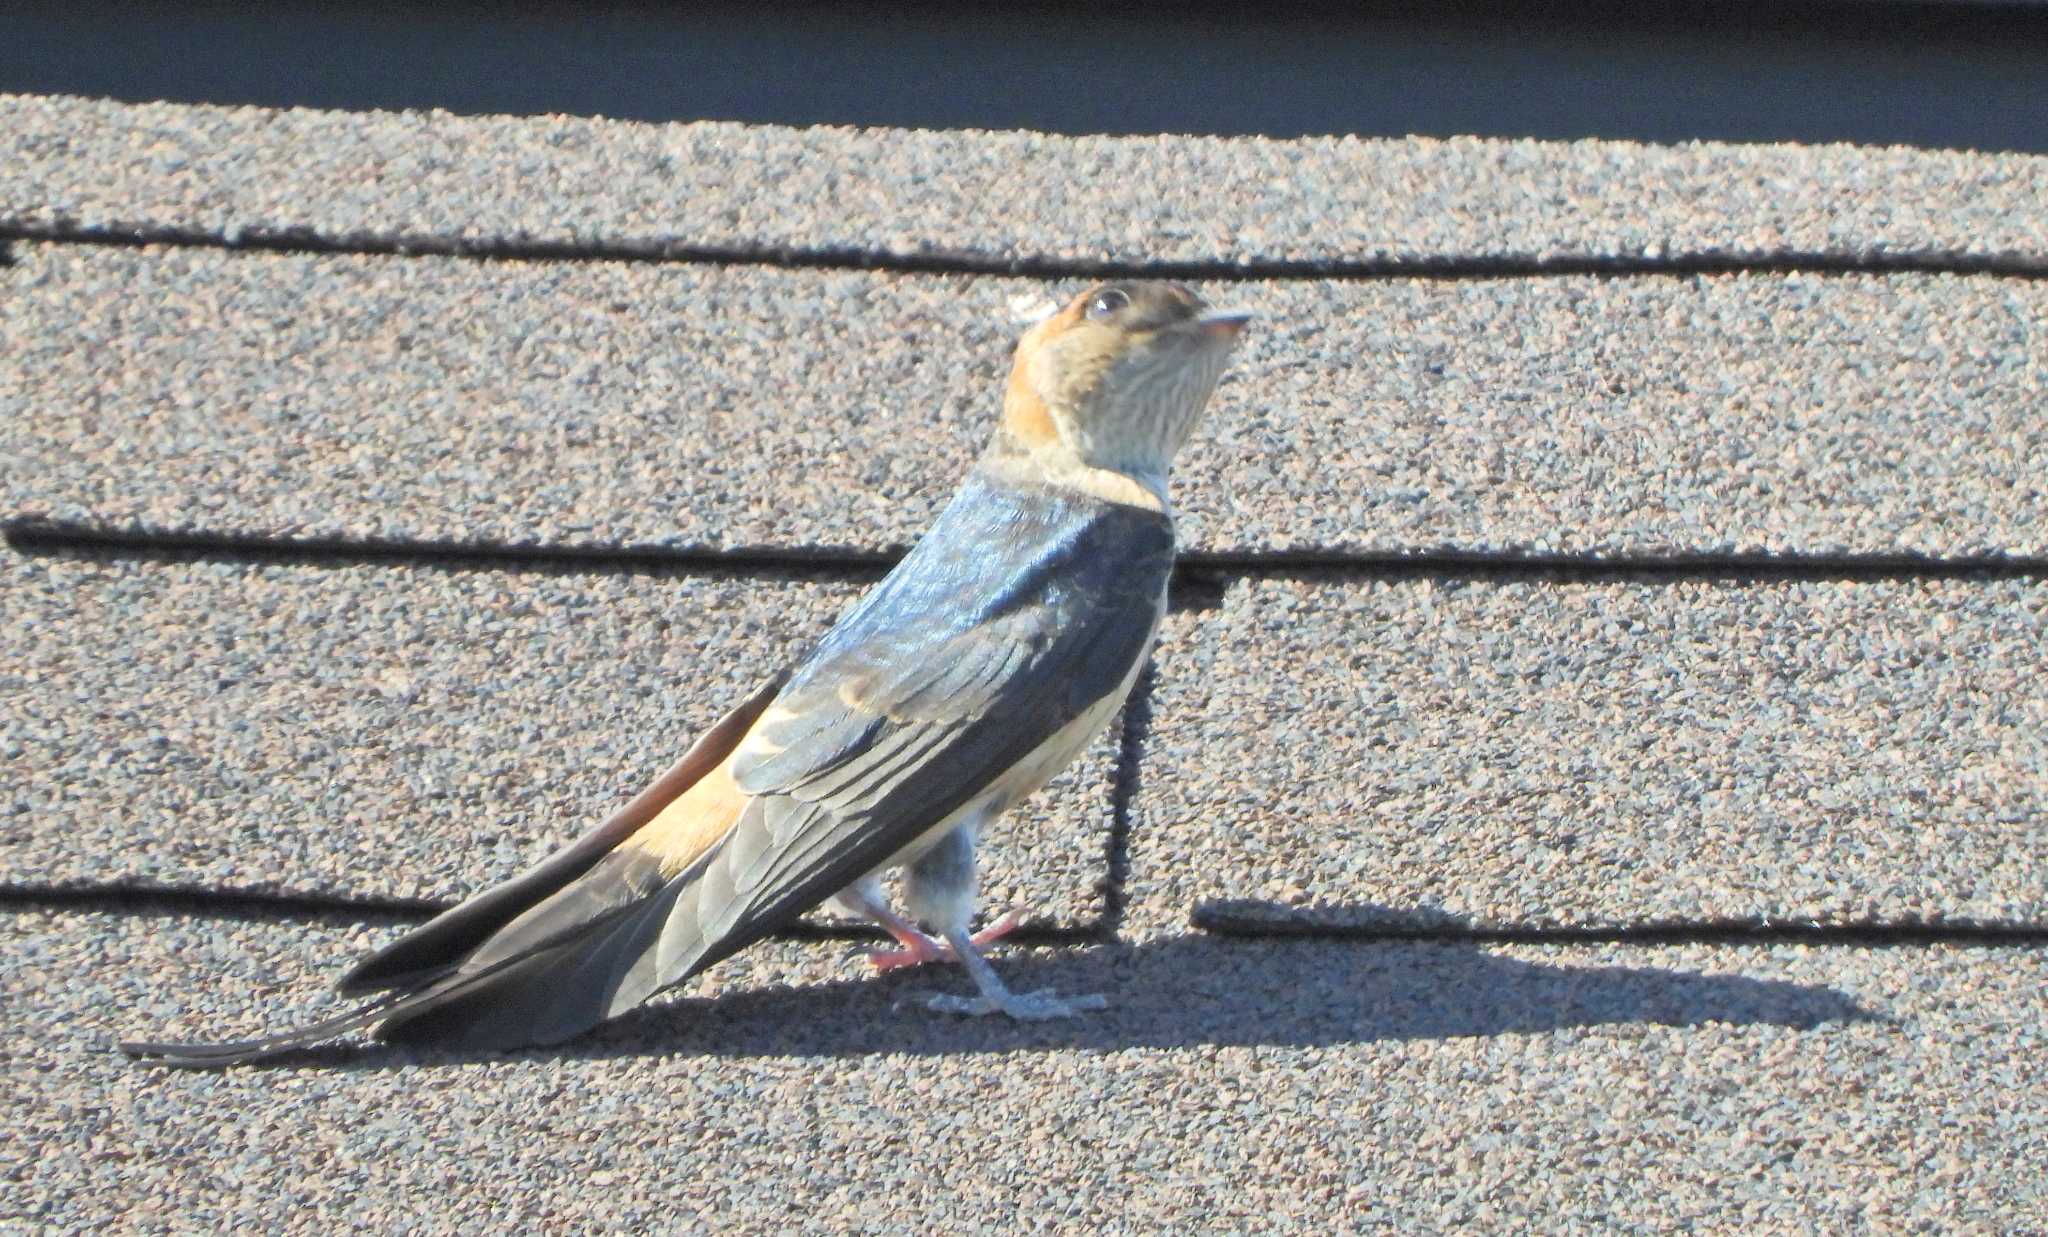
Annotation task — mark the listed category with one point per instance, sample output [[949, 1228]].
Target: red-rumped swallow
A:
[[976, 670]]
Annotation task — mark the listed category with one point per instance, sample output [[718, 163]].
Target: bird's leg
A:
[[996, 998], [918, 948], [864, 898], [940, 890]]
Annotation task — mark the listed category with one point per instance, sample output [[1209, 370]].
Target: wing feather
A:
[[1017, 614]]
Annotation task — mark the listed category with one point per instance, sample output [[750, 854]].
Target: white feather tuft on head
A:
[[1032, 308]]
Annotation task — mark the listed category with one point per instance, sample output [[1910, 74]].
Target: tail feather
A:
[[535, 960], [451, 937], [560, 987], [551, 994], [240, 1052]]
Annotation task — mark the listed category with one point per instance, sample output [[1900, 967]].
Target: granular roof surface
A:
[[1593, 773]]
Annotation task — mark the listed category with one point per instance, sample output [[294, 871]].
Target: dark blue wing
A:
[[1022, 607]]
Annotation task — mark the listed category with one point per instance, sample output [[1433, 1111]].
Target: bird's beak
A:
[[1223, 323]]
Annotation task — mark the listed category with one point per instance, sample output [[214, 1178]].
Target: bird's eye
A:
[[1107, 302]]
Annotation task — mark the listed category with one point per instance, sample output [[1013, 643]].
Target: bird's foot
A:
[[993, 996], [919, 949], [1023, 1006]]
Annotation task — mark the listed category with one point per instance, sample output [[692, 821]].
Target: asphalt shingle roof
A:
[[719, 408], [372, 731], [1827, 772], [1231, 1085], [1522, 754], [433, 181]]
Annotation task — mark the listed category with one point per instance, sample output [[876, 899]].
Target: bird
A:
[[989, 657]]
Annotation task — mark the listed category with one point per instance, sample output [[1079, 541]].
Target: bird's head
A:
[[1117, 379]]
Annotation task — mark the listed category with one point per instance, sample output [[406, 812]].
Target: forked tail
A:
[[556, 950]]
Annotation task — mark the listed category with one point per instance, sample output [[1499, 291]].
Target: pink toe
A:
[[917, 951], [890, 959], [1011, 920]]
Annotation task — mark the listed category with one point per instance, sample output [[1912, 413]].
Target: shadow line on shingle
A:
[[1235, 919], [1368, 923], [66, 538], [218, 903], [1135, 728], [1198, 583], [1732, 568], [261, 906], [971, 262]]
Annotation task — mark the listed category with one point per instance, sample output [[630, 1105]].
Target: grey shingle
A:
[[428, 178], [1511, 754], [721, 408], [1270, 1086], [385, 732], [1370, 752]]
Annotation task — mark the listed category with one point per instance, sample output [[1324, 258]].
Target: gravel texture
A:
[[1424, 753], [1331, 749], [744, 408], [394, 732], [1267, 1085], [430, 178]]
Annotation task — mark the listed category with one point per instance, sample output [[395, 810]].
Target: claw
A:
[[993, 997]]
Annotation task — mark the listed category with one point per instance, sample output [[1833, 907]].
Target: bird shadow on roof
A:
[[1184, 992]]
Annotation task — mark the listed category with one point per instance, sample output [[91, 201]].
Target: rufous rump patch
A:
[[692, 822]]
